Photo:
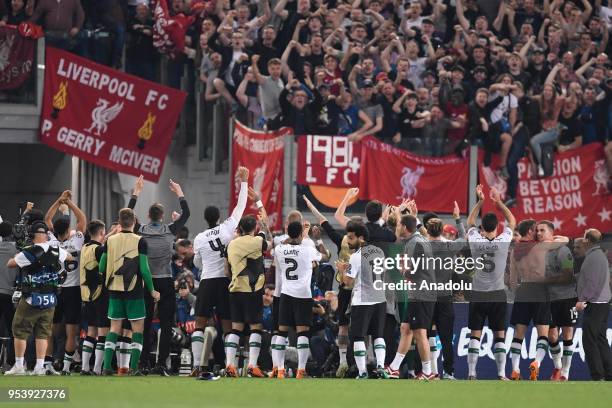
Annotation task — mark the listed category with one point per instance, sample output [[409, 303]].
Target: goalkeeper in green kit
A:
[[126, 266]]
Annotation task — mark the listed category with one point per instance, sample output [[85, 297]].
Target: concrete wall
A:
[[31, 172], [201, 188]]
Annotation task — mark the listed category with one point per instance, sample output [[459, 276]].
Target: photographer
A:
[[41, 265], [7, 278], [185, 299], [324, 331]]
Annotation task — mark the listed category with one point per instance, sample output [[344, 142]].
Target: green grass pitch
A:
[[158, 392]]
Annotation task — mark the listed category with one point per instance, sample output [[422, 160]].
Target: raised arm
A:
[[241, 95], [553, 73], [603, 45], [471, 220], [542, 32], [501, 14], [588, 9], [298, 27], [580, 71], [496, 198], [366, 125], [385, 57], [460, 16], [79, 214], [280, 11], [525, 49], [378, 19], [66, 195], [397, 105], [255, 67], [243, 175], [339, 214], [431, 53], [285, 57], [180, 222]]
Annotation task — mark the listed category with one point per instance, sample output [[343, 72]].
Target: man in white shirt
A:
[[368, 304], [68, 310], [295, 261], [210, 256], [488, 297]]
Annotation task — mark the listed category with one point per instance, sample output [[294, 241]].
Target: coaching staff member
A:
[[594, 297]]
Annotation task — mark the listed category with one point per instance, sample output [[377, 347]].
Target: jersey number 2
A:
[[292, 268]]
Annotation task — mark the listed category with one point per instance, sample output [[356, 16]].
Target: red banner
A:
[[263, 153], [390, 175], [16, 58], [574, 198], [107, 117], [330, 161]]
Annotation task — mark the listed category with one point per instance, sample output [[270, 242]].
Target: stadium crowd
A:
[[519, 77]]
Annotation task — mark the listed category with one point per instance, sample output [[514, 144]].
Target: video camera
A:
[[21, 229]]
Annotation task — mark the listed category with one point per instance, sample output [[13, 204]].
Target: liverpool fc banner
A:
[[107, 117], [263, 154], [331, 161], [574, 198], [391, 175]]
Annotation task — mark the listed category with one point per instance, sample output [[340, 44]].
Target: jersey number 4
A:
[[292, 268], [217, 246]]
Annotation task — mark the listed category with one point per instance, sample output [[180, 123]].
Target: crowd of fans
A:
[[429, 76]]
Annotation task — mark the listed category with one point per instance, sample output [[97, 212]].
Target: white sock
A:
[[99, 355], [128, 354], [359, 350], [515, 353], [118, 347], [231, 346], [342, 348], [125, 352], [472, 358], [555, 354], [88, 349], [274, 351], [210, 334], [541, 349], [40, 363], [197, 345], [67, 360], [568, 352], [281, 346], [426, 367], [303, 349], [499, 351], [254, 347], [19, 362], [434, 353], [380, 350], [397, 361]]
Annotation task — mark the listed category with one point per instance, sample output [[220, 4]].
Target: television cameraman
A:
[[40, 275]]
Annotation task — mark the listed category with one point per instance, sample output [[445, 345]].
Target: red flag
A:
[[574, 198], [16, 56], [107, 117], [169, 31], [390, 175], [331, 161], [263, 153]]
